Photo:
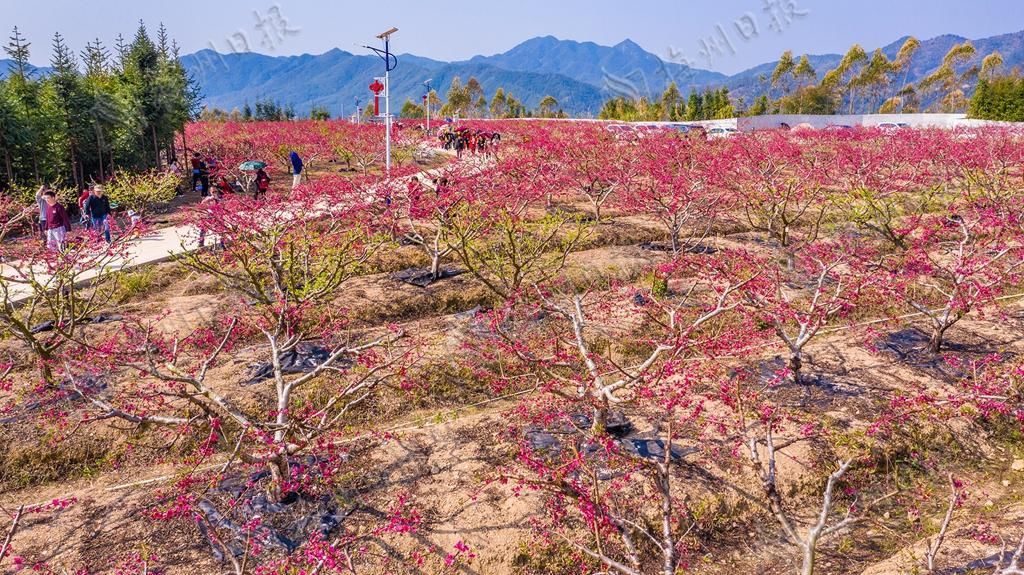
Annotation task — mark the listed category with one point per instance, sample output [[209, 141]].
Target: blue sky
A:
[[718, 35]]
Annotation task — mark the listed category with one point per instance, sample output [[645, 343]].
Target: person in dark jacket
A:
[[200, 175], [262, 183], [58, 224], [98, 209], [296, 169]]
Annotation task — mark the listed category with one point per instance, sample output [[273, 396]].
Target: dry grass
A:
[[445, 463]]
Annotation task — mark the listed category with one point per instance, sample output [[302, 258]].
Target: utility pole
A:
[[426, 103], [390, 62]]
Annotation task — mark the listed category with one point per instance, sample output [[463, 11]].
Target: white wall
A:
[[750, 124], [867, 120]]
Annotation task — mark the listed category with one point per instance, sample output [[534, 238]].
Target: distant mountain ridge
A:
[[35, 72], [596, 65], [580, 75], [338, 79]]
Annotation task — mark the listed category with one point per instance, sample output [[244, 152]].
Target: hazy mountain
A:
[[5, 66], [337, 79], [600, 66], [580, 75]]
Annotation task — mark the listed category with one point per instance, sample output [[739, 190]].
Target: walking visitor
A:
[[296, 169], [84, 215], [57, 222], [98, 208], [41, 202]]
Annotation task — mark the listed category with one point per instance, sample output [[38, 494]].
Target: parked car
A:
[[622, 131], [690, 130], [720, 132], [618, 128], [893, 126]]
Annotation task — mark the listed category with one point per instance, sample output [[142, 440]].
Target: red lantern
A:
[[376, 87]]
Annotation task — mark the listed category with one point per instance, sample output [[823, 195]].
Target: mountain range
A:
[[580, 75]]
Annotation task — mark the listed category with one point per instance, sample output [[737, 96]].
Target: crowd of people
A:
[[468, 139], [206, 169], [212, 182]]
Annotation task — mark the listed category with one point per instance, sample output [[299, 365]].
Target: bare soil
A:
[[450, 458]]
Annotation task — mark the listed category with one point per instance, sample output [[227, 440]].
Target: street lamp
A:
[[390, 62], [426, 102]]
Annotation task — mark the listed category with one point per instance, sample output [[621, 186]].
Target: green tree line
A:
[[265, 110], [469, 100], [999, 95], [671, 107], [95, 112], [859, 83], [1000, 98]]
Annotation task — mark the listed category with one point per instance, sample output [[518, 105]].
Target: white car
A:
[[722, 132], [893, 126]]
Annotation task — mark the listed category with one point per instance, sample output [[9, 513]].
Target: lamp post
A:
[[426, 103], [390, 62]]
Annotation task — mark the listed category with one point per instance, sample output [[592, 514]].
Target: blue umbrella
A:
[[252, 166]]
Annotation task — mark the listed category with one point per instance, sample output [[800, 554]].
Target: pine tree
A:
[[77, 124], [458, 98], [499, 104], [695, 106], [162, 42], [761, 106], [670, 102], [784, 72], [96, 58], [26, 95], [63, 59], [72, 109], [473, 92], [122, 51], [981, 104], [18, 51]]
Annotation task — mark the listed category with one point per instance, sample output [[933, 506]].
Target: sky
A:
[[722, 35]]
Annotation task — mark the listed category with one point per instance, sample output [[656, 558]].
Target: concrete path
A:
[[152, 247], [157, 246]]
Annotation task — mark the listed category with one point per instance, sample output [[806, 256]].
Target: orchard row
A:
[[771, 241]]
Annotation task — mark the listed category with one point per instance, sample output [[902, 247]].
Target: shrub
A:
[[140, 191]]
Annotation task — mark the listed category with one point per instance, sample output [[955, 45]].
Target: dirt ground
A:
[[448, 456]]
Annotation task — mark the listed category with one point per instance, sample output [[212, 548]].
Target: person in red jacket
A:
[[262, 183], [224, 186], [57, 222], [82, 199]]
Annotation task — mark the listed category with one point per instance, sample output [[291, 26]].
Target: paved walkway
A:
[[152, 247], [157, 246]]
